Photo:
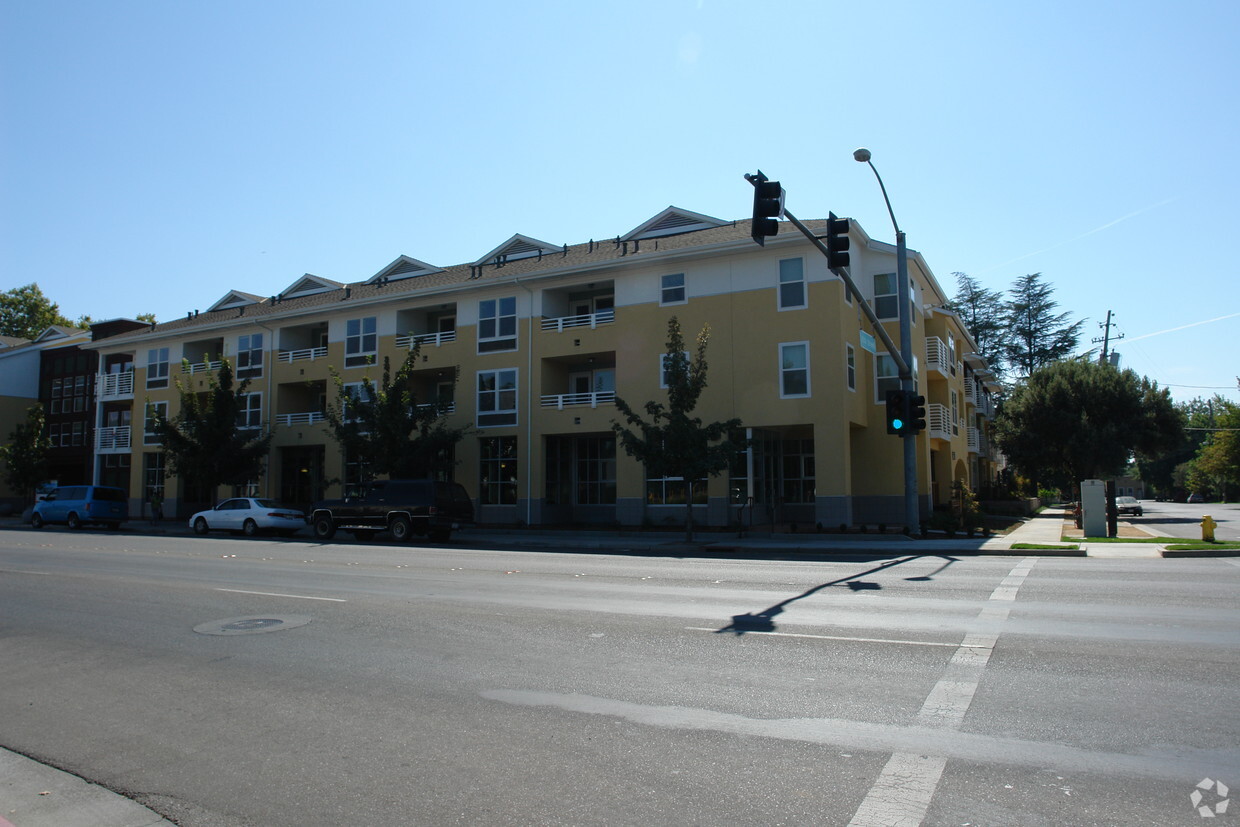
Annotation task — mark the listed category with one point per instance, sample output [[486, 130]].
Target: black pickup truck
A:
[[407, 508]]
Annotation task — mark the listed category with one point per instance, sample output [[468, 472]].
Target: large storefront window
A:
[[497, 471]]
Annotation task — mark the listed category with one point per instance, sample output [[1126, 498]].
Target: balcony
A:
[[590, 320], [114, 440], [303, 354], [938, 421], [408, 342], [974, 441], [201, 367], [970, 391], [111, 386], [306, 418], [561, 401], [938, 357]]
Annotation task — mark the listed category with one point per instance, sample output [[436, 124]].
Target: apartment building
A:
[[543, 337]]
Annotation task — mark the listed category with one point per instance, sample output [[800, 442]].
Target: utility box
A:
[[1094, 508]]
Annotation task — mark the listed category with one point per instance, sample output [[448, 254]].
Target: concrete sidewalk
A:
[[36, 795]]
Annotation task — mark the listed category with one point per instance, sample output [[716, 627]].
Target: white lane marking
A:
[[901, 796], [837, 637], [276, 594]]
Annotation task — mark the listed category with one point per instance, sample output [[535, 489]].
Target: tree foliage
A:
[[25, 312], [1217, 464], [984, 314], [25, 454], [1037, 336], [202, 442], [673, 442], [388, 431], [1079, 420]]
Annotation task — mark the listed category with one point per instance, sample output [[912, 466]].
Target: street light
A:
[[912, 511]]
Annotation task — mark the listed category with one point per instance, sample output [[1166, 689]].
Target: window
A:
[[79, 433], [664, 376], [793, 370], [673, 289], [791, 284], [53, 435], [55, 396], [497, 324], [497, 397], [850, 366], [671, 491], [149, 437], [596, 471], [955, 414], [153, 473], [886, 298], [250, 356], [250, 411], [157, 367], [497, 471], [951, 353], [361, 341], [354, 391], [886, 376], [798, 471]]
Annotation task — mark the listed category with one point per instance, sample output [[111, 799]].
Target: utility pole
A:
[[1106, 338]]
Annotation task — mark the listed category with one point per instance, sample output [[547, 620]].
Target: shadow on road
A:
[[764, 621]]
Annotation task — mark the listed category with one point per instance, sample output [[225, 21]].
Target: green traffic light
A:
[[898, 424]]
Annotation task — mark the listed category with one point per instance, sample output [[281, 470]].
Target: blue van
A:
[[79, 505]]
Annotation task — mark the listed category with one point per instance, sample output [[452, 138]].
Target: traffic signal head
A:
[[837, 242], [768, 205], [897, 412], [917, 414]]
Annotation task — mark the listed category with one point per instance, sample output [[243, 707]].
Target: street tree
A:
[[25, 312], [386, 430], [25, 454], [1037, 335], [1077, 420], [1217, 463], [985, 316], [674, 444], [1166, 471], [209, 442]]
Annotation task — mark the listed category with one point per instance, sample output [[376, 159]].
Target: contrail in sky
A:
[[1105, 226], [1181, 327]]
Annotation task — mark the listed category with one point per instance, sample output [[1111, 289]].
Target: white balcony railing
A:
[[448, 407], [937, 355], [591, 320], [299, 355], [571, 400], [202, 367], [114, 385], [938, 421], [114, 440], [970, 391], [974, 441], [435, 339], [307, 418]]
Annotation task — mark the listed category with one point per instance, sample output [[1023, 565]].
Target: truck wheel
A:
[[401, 528], [324, 527]]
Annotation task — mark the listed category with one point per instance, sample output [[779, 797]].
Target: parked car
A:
[[404, 507], [250, 516], [79, 505], [1196, 498], [1128, 505]]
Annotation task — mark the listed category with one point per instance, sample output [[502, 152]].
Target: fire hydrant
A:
[[1207, 529]]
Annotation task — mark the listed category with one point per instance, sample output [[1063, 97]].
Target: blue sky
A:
[[154, 155]]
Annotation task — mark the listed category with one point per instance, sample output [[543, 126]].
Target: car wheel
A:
[[74, 522], [201, 527], [324, 527], [249, 528], [1139, 512], [401, 529], [36, 520]]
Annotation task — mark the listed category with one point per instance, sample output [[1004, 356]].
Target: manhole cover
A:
[[251, 625]]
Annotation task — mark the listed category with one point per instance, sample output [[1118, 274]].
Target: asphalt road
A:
[[1184, 519], [367, 684]]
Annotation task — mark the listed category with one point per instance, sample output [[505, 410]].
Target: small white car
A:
[[250, 516], [1128, 505]]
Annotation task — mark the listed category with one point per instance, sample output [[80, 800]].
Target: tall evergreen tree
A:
[[1037, 335], [25, 455], [674, 443], [203, 443], [984, 314]]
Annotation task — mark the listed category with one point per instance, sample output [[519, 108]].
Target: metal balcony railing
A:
[[974, 441], [306, 418], [113, 440], [591, 320], [435, 339], [937, 355], [938, 421], [302, 354], [570, 400], [202, 367], [114, 385]]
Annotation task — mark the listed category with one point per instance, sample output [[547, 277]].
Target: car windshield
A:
[[1128, 500]]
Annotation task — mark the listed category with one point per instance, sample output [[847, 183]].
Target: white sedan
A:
[[250, 516]]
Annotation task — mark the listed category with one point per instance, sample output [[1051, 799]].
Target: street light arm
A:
[[886, 200]]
